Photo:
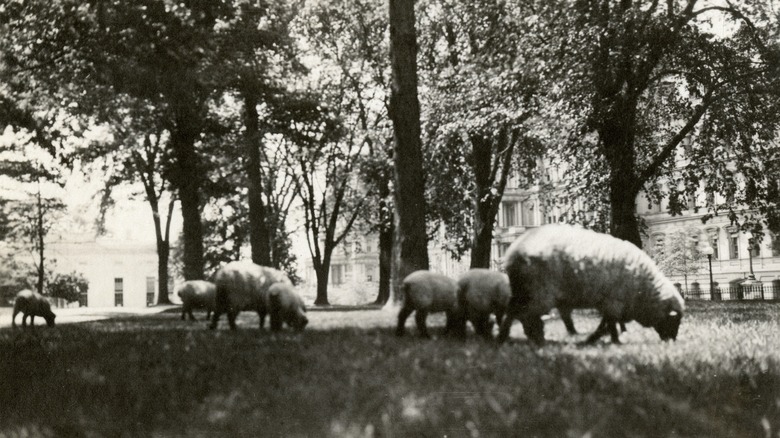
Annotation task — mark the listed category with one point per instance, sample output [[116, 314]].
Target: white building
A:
[[120, 273]]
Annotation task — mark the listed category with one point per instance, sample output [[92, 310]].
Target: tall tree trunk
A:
[[323, 272], [481, 158], [617, 137], [411, 238], [259, 236], [40, 235], [385, 262], [187, 182], [163, 251]]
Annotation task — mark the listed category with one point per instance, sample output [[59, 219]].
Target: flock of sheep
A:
[[553, 266]]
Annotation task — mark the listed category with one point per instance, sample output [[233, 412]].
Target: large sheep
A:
[[426, 292], [286, 306], [244, 286], [197, 294], [482, 292], [32, 304], [567, 267]]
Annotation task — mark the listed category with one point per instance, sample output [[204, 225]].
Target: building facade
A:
[[119, 273]]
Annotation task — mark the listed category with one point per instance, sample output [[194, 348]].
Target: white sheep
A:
[[197, 294], [426, 292], [244, 286], [32, 304], [482, 292], [286, 306], [568, 268]]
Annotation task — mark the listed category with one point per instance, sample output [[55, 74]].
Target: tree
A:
[[636, 80], [69, 287], [351, 38], [482, 91], [324, 155], [144, 160], [257, 53], [681, 254], [411, 240]]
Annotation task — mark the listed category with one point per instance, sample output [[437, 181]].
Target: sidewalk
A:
[[83, 314]]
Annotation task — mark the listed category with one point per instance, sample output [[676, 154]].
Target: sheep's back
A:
[[431, 291]]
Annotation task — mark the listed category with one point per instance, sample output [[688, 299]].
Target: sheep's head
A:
[[300, 321], [50, 319], [668, 326]]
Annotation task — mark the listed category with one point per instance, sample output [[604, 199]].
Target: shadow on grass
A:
[[159, 375]]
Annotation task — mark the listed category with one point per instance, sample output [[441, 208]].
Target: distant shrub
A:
[[68, 286]]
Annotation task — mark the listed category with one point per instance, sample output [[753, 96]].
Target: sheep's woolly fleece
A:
[[583, 250]]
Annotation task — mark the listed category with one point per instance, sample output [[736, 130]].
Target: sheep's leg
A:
[[183, 313], [32, 320], [499, 317], [402, 315], [533, 326], [275, 317], [24, 319], [208, 314], [506, 326], [420, 317], [601, 330], [189, 312], [456, 325], [567, 321], [232, 319], [261, 313], [482, 326], [215, 319], [613, 332], [13, 318], [622, 327]]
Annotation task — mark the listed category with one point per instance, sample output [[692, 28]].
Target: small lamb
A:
[[426, 292], [286, 306], [482, 292], [568, 267], [32, 304], [197, 294]]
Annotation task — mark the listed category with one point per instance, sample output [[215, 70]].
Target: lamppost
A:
[[709, 251], [752, 277]]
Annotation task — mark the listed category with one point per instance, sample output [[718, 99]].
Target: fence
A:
[[755, 291]]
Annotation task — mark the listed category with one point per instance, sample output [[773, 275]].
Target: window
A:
[[119, 288], [337, 274], [755, 248], [150, 291], [509, 214], [714, 244], [528, 214], [734, 246], [659, 246], [502, 248], [691, 198]]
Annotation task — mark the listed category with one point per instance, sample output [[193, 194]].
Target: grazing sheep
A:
[[480, 293], [568, 268], [32, 304], [244, 286], [426, 292], [286, 306], [197, 294]]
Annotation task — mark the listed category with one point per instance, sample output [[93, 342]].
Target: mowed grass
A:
[[348, 375]]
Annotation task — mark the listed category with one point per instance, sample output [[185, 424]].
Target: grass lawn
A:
[[348, 375]]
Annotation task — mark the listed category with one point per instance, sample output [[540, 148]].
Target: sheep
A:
[[32, 304], [197, 294], [244, 286], [425, 292], [286, 306], [567, 267], [480, 293]]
